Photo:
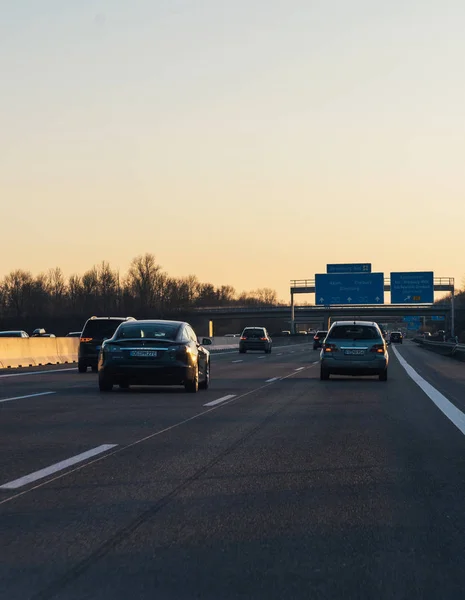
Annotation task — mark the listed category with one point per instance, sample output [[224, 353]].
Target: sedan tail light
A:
[[83, 339], [329, 348], [377, 348], [264, 339], [243, 338]]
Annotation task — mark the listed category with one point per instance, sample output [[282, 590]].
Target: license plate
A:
[[144, 353], [355, 352]]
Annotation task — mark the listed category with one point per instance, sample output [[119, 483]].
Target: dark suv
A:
[[395, 337], [255, 338], [318, 339], [95, 331]]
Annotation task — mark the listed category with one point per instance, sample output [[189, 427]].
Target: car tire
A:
[[95, 369], [105, 384], [82, 367], [192, 386], [205, 384], [383, 375], [324, 374], [124, 385]]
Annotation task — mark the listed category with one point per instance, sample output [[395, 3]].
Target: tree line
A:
[[146, 290]]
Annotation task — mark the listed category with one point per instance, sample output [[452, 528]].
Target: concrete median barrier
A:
[[30, 352]]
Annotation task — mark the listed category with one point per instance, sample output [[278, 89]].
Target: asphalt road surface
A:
[[272, 484]]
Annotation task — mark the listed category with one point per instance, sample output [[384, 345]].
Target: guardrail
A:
[[450, 349]]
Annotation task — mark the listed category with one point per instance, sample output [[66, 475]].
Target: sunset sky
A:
[[248, 142]]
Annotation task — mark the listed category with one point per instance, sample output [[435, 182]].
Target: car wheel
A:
[[269, 350], [204, 385], [383, 375], [105, 384], [82, 367], [124, 385], [95, 369], [192, 386], [324, 374]]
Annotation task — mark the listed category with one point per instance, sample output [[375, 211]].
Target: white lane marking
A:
[[316, 362], [272, 379], [280, 354], [299, 369], [445, 406], [69, 462], [237, 361], [259, 357], [137, 442], [39, 372], [28, 396], [223, 399]]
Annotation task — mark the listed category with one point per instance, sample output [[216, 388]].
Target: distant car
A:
[[153, 352], [255, 338], [318, 339], [39, 332], [14, 334], [95, 331], [396, 337], [73, 334], [285, 332], [302, 333], [355, 348]]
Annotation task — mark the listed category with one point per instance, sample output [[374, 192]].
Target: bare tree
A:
[[18, 285], [144, 281]]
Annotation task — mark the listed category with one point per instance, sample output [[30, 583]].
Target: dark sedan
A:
[[154, 353]]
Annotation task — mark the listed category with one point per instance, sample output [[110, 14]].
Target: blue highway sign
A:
[[349, 288], [349, 268], [413, 326], [438, 318], [412, 319], [412, 288]]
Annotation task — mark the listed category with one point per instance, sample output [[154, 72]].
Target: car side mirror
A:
[[206, 342]]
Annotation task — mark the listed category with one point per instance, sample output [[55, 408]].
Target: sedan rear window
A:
[[254, 332], [354, 332], [101, 329], [157, 331]]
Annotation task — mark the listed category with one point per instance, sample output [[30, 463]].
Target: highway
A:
[[272, 484]]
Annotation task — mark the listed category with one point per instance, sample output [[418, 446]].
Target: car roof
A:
[[149, 321], [111, 318], [355, 322], [14, 331], [254, 327]]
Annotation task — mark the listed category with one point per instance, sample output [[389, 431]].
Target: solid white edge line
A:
[[139, 441], [237, 361], [69, 462], [28, 396], [38, 372], [272, 380], [299, 369], [445, 406], [223, 399]]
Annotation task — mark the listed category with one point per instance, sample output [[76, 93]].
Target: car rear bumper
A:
[[353, 367], [148, 374], [254, 346]]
